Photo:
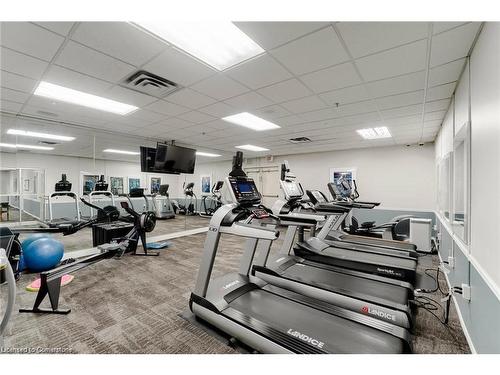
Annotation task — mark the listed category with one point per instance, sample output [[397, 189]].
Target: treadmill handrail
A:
[[248, 230], [301, 219]]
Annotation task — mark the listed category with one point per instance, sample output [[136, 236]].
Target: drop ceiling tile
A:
[[329, 79], [190, 98], [8, 106], [196, 117], [310, 103], [13, 95], [61, 28], [312, 52], [453, 44], [150, 116], [284, 91], [85, 60], [259, 72], [166, 108], [250, 100], [219, 109], [272, 34], [320, 115], [178, 67], [432, 124], [124, 95], [355, 108], [437, 105], [291, 120], [441, 91], [346, 95], [273, 111], [439, 27], [401, 100], [364, 38], [403, 111], [19, 63], [30, 39], [397, 61], [77, 81], [446, 73], [119, 39], [16, 82], [405, 120], [220, 87], [437, 115], [397, 85]]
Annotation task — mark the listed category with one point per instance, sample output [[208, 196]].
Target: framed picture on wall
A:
[[206, 184], [155, 185], [116, 184], [338, 173], [133, 183], [88, 181]]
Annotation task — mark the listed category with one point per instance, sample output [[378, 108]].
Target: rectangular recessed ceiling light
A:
[[250, 121], [208, 154], [31, 147], [252, 148], [64, 94], [113, 151], [26, 133], [374, 133], [219, 44]]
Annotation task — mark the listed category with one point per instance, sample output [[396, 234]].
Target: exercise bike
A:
[[214, 200]]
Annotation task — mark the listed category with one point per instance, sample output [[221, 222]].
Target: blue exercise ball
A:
[[43, 254], [33, 237]]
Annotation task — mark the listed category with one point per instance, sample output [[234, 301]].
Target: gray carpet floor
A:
[[133, 305]]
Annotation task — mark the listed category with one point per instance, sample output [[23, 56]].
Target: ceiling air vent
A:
[[47, 143], [150, 84], [300, 140]]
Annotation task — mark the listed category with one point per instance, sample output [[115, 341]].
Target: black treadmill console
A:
[[63, 185], [317, 197], [292, 190], [244, 190], [334, 191], [101, 185]]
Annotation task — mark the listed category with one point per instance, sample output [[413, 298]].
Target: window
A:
[[444, 186], [460, 183]]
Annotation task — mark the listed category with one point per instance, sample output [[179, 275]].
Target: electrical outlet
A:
[[451, 262], [466, 292]]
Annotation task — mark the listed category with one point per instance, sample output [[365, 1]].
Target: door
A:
[[267, 180]]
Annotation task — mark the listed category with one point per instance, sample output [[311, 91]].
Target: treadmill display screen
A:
[[244, 187], [319, 197], [291, 189], [244, 190]]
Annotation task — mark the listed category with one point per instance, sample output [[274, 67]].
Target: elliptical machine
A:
[[215, 200], [188, 208]]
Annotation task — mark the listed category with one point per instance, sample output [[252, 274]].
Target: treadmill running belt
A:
[[318, 330], [357, 287]]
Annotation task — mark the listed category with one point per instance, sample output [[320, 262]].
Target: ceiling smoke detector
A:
[[150, 84], [300, 140]]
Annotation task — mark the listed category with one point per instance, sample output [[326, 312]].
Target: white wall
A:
[[485, 151], [54, 166], [478, 97], [399, 176]]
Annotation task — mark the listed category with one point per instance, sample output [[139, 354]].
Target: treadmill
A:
[[343, 236], [266, 317], [332, 233], [396, 264]]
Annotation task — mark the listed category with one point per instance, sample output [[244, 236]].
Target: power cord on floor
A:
[[432, 306]]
